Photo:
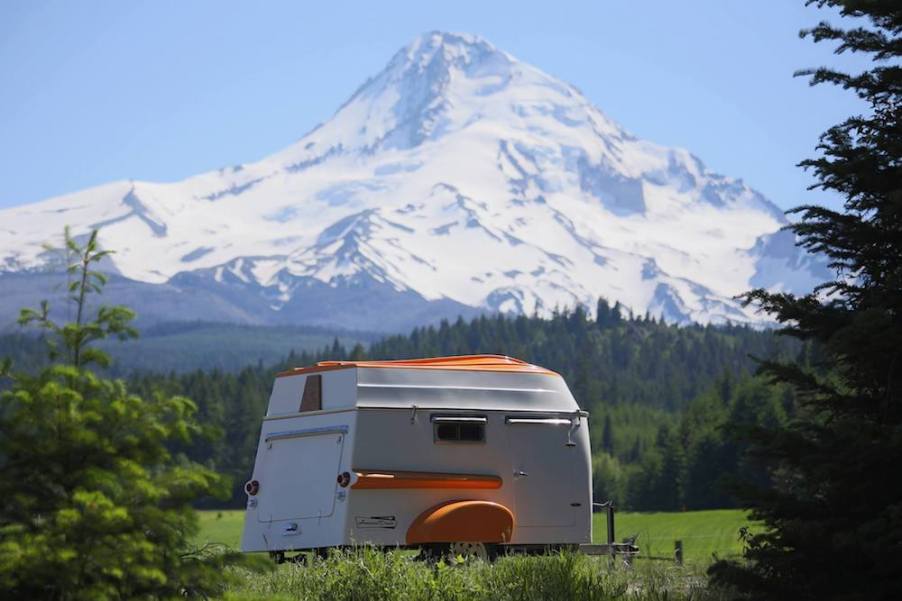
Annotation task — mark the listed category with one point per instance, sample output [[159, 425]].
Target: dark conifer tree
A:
[[833, 509], [635, 451], [607, 435], [670, 484], [616, 313], [602, 313]]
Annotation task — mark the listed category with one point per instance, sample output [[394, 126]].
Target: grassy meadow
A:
[[704, 533]]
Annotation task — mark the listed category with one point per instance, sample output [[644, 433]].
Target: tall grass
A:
[[367, 574]]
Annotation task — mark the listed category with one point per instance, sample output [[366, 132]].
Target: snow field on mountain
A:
[[457, 173]]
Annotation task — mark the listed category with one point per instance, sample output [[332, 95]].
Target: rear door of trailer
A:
[[544, 470], [298, 479]]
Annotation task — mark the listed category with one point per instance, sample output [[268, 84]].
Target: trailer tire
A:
[[433, 552], [469, 550]]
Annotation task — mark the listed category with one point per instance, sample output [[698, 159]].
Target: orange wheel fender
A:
[[462, 521]]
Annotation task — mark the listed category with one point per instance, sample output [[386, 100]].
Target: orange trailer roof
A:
[[499, 363]]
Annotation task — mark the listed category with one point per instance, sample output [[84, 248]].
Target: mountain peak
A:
[[409, 101], [452, 49], [456, 179]]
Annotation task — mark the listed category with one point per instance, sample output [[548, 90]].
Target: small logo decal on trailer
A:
[[375, 521]]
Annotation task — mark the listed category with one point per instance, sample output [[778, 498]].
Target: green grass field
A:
[[704, 533], [221, 527]]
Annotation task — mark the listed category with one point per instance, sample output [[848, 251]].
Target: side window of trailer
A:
[[312, 400], [458, 428]]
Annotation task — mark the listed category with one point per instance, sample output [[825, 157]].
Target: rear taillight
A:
[[344, 479], [252, 487]]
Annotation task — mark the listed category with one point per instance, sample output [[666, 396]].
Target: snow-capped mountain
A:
[[457, 180]]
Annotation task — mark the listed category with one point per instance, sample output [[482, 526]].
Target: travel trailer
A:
[[474, 454]]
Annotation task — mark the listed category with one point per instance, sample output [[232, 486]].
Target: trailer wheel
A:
[[429, 553], [468, 550], [433, 552], [474, 550]]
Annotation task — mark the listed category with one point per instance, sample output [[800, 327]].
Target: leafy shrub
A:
[[95, 504]]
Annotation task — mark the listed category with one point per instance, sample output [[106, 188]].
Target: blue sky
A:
[[99, 91]]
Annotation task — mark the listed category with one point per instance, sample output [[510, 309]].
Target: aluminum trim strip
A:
[[429, 387], [458, 419], [306, 432], [551, 421]]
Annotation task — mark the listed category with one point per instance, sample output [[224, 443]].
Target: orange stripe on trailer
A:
[[462, 521], [385, 479], [495, 363]]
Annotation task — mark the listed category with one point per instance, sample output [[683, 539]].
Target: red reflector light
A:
[[252, 487], [344, 479]]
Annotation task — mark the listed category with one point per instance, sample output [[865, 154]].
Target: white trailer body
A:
[[481, 449]]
